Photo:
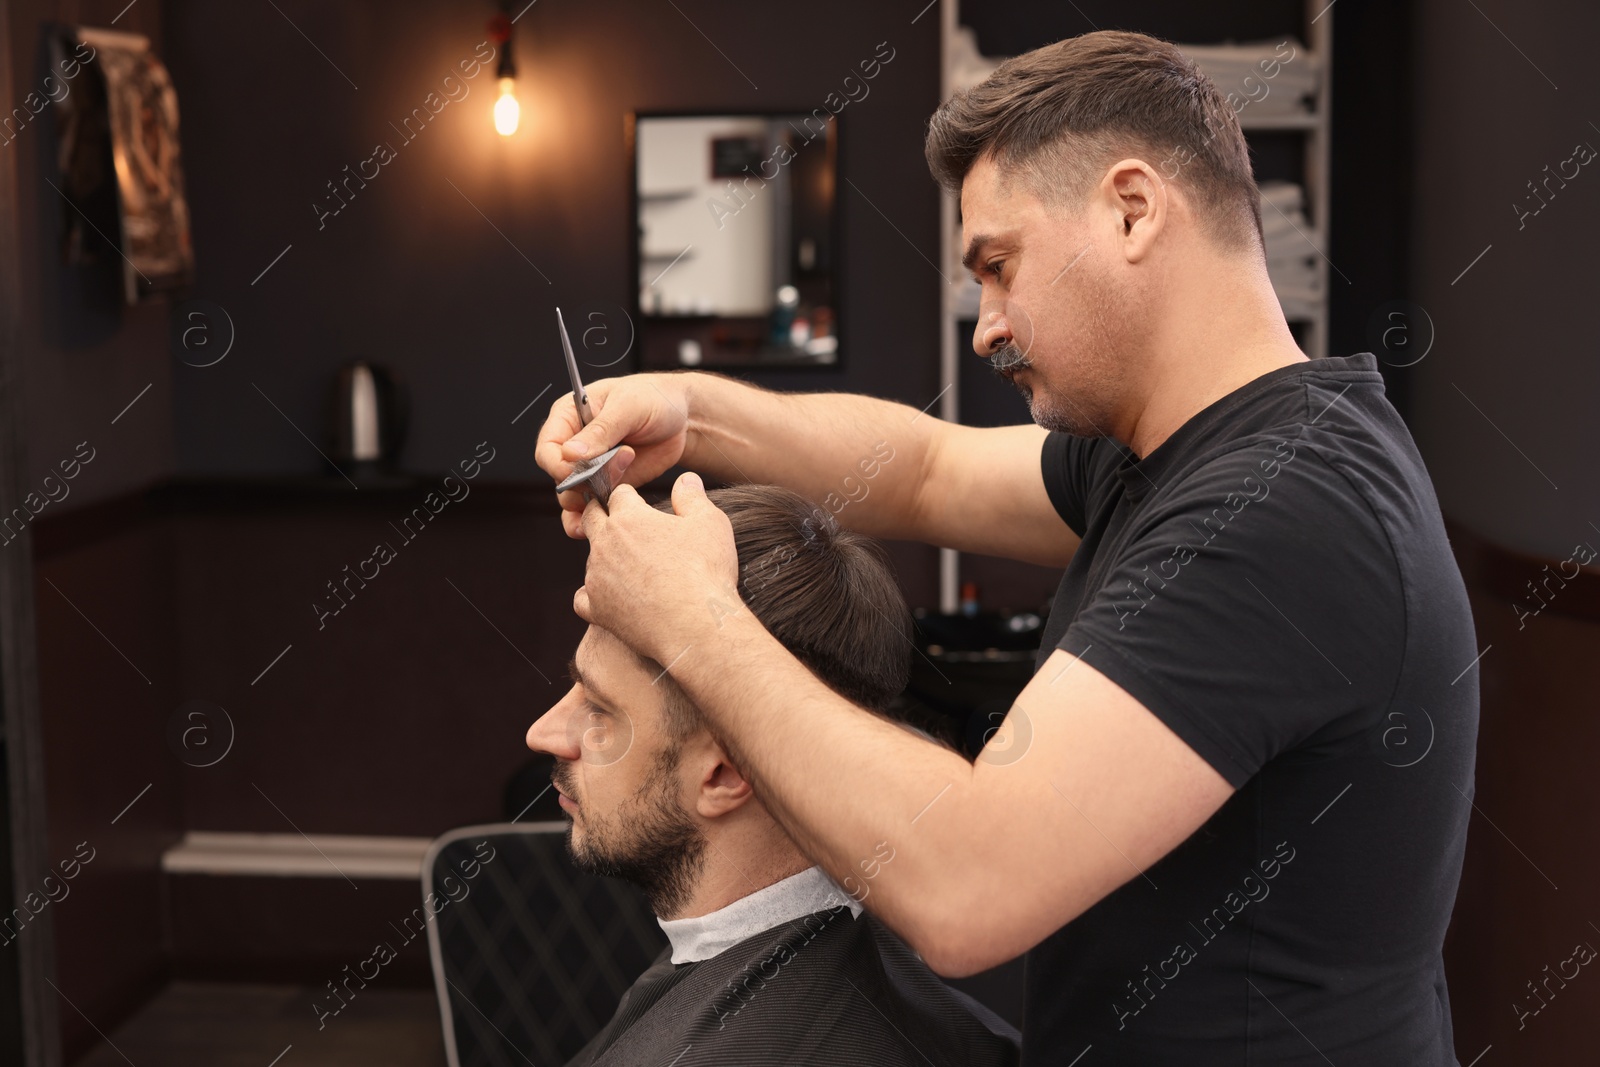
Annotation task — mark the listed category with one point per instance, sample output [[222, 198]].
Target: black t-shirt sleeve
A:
[[1258, 605], [1064, 463]]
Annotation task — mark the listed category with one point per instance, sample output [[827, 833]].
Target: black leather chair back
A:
[[530, 956]]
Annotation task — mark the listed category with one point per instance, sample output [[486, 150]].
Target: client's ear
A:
[[720, 787]]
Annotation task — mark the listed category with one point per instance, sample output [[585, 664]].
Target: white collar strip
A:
[[704, 936]]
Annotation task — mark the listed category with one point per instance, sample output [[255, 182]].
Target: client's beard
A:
[[649, 841]]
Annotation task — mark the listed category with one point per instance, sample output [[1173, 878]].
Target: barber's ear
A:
[[1141, 199], [723, 788]]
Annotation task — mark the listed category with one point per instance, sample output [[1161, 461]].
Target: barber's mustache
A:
[[1008, 358]]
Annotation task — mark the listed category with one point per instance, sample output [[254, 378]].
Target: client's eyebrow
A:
[[578, 679]]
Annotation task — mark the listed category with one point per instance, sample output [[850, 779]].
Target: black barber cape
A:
[[825, 989]]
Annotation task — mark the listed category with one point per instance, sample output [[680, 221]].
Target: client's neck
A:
[[736, 866]]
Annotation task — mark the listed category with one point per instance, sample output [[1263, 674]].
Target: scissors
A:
[[589, 474]]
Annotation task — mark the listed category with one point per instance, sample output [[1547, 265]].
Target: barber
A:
[[1225, 819]]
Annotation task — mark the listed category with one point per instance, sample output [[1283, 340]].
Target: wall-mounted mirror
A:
[[735, 239]]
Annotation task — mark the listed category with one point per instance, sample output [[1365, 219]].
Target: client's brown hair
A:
[[826, 593]]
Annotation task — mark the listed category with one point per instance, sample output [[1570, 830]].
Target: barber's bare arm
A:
[[884, 468], [1081, 789]]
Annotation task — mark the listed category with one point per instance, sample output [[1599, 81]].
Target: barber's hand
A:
[[647, 413], [653, 579]]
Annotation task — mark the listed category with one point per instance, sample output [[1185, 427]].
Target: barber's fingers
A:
[[558, 428], [594, 516], [691, 503], [594, 522], [573, 501], [689, 494], [572, 522], [622, 409], [622, 498]]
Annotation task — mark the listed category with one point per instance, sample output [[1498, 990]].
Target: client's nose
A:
[[550, 733]]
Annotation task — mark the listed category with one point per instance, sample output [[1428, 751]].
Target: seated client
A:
[[768, 961]]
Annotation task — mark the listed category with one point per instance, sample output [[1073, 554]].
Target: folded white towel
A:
[[1274, 77]]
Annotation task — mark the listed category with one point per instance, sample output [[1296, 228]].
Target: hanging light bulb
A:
[[507, 112]]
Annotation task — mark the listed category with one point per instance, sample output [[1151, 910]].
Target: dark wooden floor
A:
[[237, 1025]]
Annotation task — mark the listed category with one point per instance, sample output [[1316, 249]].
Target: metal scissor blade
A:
[[579, 397], [590, 474]]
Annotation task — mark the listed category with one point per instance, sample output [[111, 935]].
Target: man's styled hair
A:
[[826, 593], [1060, 115]]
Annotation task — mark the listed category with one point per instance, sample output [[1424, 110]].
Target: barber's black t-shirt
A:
[[1273, 582]]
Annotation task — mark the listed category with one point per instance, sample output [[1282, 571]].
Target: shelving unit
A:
[[1308, 318]]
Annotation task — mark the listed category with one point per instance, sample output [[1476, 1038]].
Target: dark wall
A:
[[404, 711], [1527, 888], [1504, 411], [447, 267], [108, 684], [1504, 414]]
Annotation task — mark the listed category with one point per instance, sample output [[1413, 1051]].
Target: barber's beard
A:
[[1053, 411], [650, 840], [1081, 406]]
